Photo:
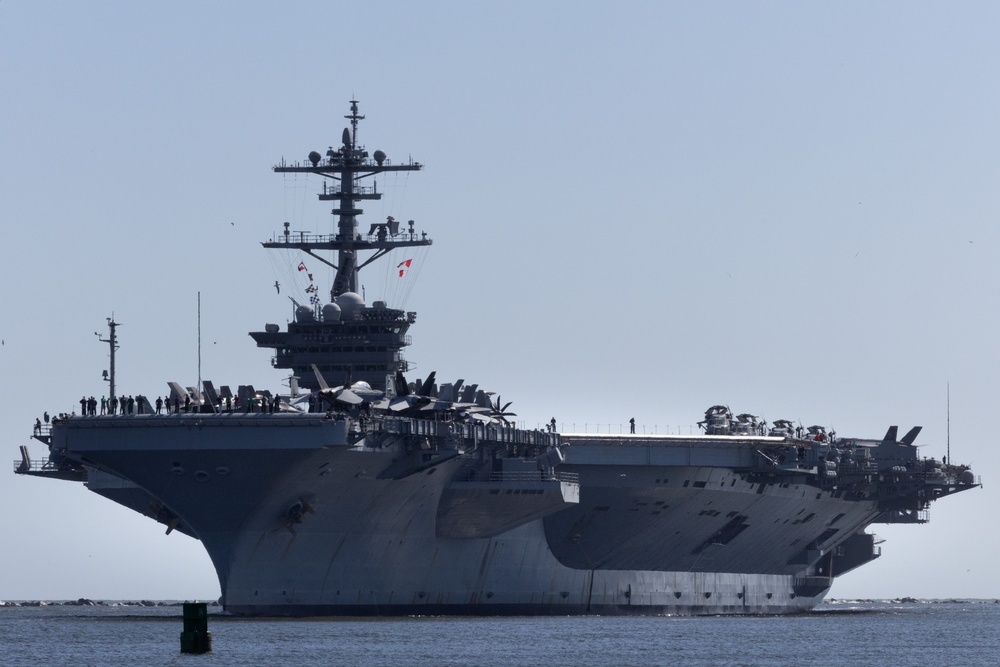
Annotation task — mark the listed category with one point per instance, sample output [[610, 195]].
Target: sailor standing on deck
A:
[[631, 425]]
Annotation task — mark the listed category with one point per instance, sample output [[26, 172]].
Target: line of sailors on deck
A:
[[139, 404]]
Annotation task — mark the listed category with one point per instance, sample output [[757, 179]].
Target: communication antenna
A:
[[112, 341], [948, 438], [199, 341]]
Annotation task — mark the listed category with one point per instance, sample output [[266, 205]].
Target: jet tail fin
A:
[[319, 378], [911, 435]]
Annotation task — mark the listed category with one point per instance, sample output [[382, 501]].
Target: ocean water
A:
[[925, 634]]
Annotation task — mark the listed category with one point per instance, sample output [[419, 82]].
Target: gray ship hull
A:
[[642, 538]]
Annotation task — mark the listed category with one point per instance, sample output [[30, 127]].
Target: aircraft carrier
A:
[[360, 492]]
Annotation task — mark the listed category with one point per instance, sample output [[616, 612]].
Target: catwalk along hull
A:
[[304, 515]]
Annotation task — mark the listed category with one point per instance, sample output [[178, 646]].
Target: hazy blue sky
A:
[[639, 209]]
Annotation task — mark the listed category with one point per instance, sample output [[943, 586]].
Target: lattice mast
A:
[[346, 166]]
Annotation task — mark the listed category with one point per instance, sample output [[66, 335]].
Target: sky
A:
[[639, 209]]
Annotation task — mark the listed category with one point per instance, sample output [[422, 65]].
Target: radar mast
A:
[[346, 166]]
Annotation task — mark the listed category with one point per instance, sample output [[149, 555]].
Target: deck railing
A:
[[520, 476]]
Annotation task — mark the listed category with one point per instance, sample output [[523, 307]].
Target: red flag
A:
[[302, 267], [405, 263]]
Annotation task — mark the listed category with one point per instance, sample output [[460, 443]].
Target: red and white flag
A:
[[403, 266]]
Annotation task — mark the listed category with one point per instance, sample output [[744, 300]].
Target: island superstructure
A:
[[344, 338], [373, 494]]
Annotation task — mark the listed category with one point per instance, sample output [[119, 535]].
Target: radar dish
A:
[[331, 312], [349, 303], [303, 314]]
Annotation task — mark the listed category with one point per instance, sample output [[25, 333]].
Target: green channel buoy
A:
[[196, 638]]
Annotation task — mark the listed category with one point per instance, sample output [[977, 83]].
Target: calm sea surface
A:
[[864, 633]]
